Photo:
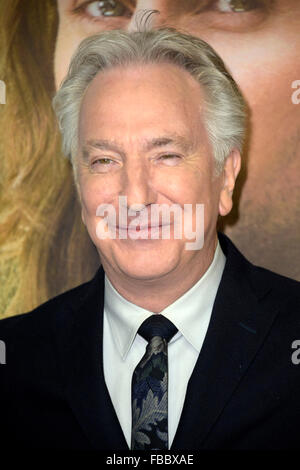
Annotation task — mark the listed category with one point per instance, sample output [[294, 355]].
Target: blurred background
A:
[[44, 248]]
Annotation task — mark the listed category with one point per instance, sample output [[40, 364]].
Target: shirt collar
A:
[[125, 318]]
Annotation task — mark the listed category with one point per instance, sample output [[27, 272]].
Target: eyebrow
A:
[[174, 139], [101, 144], [148, 144]]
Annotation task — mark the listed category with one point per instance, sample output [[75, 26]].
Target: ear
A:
[[230, 172]]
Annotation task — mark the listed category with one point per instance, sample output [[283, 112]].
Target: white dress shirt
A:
[[123, 348]]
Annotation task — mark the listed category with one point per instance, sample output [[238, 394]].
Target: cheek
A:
[[179, 185], [67, 41], [91, 196], [265, 75], [95, 190], [264, 62], [267, 86], [194, 186], [202, 193]]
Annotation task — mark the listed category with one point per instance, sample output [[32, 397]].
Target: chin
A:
[[147, 264], [145, 272]]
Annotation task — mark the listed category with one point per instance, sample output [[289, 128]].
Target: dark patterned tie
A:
[[150, 387]]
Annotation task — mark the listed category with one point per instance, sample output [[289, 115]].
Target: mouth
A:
[[145, 231], [140, 227]]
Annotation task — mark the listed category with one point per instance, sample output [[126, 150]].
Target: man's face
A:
[[141, 135], [259, 41]]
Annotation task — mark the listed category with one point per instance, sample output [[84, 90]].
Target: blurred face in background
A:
[[259, 42]]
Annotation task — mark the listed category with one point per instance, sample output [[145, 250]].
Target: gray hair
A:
[[224, 106]]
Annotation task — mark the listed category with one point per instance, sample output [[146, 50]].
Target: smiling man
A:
[[167, 347], [141, 147]]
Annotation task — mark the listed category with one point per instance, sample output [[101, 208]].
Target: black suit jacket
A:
[[244, 392]]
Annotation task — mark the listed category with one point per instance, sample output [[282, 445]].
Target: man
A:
[[176, 343]]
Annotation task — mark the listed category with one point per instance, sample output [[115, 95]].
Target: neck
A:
[[156, 294]]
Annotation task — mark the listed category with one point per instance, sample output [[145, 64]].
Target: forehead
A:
[[141, 97]]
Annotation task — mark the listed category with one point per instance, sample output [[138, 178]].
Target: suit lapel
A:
[[80, 345], [240, 321]]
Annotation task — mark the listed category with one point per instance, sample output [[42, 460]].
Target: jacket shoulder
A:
[[284, 295], [275, 278], [280, 291], [46, 314], [283, 287]]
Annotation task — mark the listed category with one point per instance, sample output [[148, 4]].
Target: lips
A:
[[141, 227], [145, 232]]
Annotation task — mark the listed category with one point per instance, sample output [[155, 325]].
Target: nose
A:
[[137, 185]]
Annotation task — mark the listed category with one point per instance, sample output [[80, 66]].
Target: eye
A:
[[104, 8], [103, 161], [236, 6], [169, 159], [102, 165], [234, 15]]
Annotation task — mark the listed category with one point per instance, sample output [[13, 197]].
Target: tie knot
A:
[[157, 325]]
